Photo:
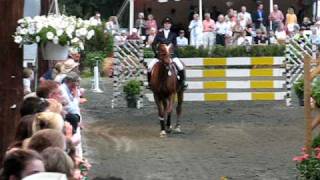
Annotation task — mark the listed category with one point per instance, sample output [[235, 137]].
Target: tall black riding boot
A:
[[182, 78], [149, 79]]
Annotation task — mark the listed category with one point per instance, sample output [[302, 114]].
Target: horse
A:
[[165, 87]]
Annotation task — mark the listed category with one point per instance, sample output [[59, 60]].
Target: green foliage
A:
[[132, 88], [298, 87], [308, 165], [87, 8], [98, 48], [316, 90], [316, 142], [221, 51]]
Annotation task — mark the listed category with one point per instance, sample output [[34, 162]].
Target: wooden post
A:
[[11, 88], [307, 104]]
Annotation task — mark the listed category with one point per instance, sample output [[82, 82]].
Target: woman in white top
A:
[[196, 29], [112, 26]]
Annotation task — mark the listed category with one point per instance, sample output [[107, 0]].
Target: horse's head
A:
[[165, 53]]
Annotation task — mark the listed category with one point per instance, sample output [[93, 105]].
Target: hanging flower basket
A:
[[52, 51], [54, 34]]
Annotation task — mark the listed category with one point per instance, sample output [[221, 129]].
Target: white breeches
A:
[[175, 60]]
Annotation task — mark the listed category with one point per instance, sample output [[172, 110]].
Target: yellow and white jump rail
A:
[[234, 79]]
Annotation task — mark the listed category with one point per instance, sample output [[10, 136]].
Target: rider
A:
[[166, 36]]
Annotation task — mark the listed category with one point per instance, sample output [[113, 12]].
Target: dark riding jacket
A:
[[161, 39]]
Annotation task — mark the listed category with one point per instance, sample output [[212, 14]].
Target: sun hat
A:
[[68, 65], [46, 176]]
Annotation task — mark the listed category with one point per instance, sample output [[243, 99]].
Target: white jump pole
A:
[[200, 10], [131, 16], [96, 87], [271, 9]]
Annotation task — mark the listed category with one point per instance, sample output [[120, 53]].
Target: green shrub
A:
[[298, 87], [132, 88], [221, 51]]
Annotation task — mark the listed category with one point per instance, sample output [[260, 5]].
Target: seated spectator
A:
[[33, 105], [56, 160], [27, 79], [237, 31], [18, 164], [47, 120], [151, 24], [150, 37], [306, 24], [112, 26], [244, 40], [272, 38], [48, 176], [291, 20], [281, 34], [315, 38], [134, 35], [43, 139], [181, 39]]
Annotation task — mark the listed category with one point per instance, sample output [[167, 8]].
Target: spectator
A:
[[221, 30], [245, 16], [315, 38], [55, 106], [122, 39], [47, 120], [50, 90], [66, 67], [47, 176], [112, 26], [33, 105], [281, 34], [196, 29], [151, 23], [181, 39], [238, 31], [306, 24], [291, 20], [276, 17], [96, 19], [70, 92], [244, 40], [259, 17], [43, 139], [56, 160], [27, 78], [317, 27], [134, 35], [150, 37], [272, 38], [20, 163], [208, 31], [141, 24]]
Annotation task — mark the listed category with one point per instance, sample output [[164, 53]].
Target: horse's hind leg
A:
[[179, 110]]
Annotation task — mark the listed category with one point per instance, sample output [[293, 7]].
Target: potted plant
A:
[[55, 34], [298, 87], [308, 165], [132, 90]]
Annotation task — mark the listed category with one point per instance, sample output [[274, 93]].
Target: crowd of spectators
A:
[[230, 29], [47, 142]]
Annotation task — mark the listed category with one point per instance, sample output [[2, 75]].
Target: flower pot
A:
[[55, 52], [131, 101]]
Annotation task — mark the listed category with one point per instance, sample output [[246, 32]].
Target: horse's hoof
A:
[[177, 129], [169, 129], [163, 134]]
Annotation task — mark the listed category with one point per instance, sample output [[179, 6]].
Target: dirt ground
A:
[[238, 140]]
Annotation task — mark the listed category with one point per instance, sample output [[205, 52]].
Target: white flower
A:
[[59, 32], [55, 40], [20, 21], [83, 31], [75, 40], [81, 46], [23, 31], [50, 35], [32, 31], [78, 34], [18, 39], [93, 22], [90, 34], [38, 39], [70, 30]]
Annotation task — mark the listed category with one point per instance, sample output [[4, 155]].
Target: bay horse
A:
[[165, 87]]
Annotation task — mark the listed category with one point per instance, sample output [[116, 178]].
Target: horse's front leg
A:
[[169, 111]]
